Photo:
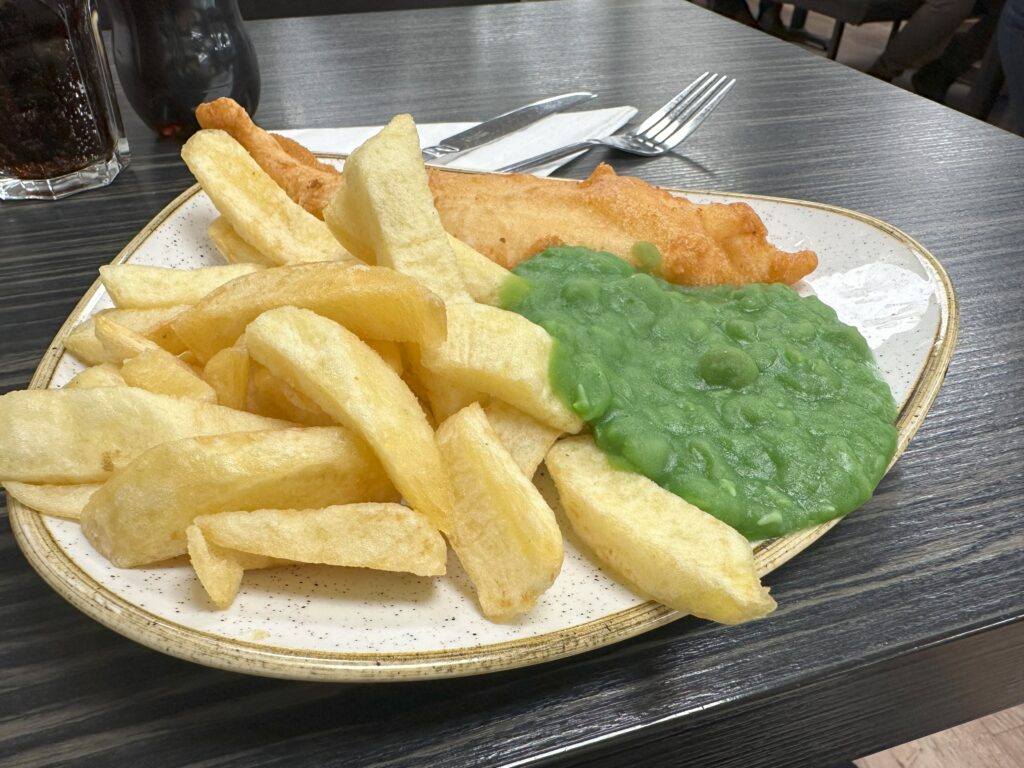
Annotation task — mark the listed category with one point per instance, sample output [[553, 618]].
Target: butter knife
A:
[[502, 125]]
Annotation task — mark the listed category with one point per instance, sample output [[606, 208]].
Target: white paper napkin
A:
[[550, 133]]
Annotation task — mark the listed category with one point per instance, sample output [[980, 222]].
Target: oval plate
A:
[[341, 624]]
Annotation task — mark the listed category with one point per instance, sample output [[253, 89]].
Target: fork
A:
[[662, 132]]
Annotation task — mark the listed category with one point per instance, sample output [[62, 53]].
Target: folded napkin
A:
[[552, 132]]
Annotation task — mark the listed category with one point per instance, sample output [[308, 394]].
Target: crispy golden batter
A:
[[307, 181], [510, 218]]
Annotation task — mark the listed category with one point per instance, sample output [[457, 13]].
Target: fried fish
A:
[[510, 218]]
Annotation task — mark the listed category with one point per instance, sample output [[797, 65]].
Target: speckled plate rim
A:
[[69, 580]]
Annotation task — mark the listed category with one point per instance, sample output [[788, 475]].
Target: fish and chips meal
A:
[[391, 352]]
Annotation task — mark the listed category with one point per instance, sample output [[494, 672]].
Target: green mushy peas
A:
[[754, 404]]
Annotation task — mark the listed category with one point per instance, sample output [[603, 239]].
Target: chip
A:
[[503, 531], [157, 370], [70, 436], [228, 373], [102, 375], [527, 440], [270, 396], [348, 380], [385, 537], [60, 500], [384, 212], [140, 514], [503, 354], [373, 302], [481, 277], [219, 569], [672, 551], [137, 286], [233, 248], [84, 345], [120, 342], [258, 210]]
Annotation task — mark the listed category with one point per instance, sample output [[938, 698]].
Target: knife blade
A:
[[502, 125]]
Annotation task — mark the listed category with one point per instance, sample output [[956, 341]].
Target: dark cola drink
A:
[[60, 131], [172, 55]]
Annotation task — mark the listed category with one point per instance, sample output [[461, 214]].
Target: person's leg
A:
[[934, 78], [737, 10], [924, 33], [1011, 50]]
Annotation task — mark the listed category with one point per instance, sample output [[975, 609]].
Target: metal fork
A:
[[660, 133]]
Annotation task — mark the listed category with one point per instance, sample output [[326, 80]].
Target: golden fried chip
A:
[[228, 373], [679, 555], [219, 569], [102, 375], [443, 396], [136, 286], [84, 345], [390, 352], [503, 531], [386, 537], [67, 436], [503, 354], [373, 302], [258, 210], [482, 277], [157, 370], [140, 514], [337, 371], [385, 213], [270, 396], [60, 500], [120, 342], [527, 439], [233, 248]]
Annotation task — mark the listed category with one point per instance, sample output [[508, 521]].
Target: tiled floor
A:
[[996, 741]]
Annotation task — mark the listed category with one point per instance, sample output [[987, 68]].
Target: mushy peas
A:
[[754, 404]]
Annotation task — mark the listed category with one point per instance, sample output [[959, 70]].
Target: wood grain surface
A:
[[906, 619]]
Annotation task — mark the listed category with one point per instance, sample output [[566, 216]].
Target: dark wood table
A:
[[906, 619]]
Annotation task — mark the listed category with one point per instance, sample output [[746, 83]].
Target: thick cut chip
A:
[[66, 436], [444, 397], [233, 248], [337, 371], [159, 371], [527, 439], [60, 500], [482, 277], [137, 286], [84, 345], [258, 210], [386, 537], [270, 396], [372, 302], [385, 211], [102, 375], [220, 570], [676, 553], [228, 373], [140, 514], [390, 352], [120, 342], [503, 531], [503, 354]]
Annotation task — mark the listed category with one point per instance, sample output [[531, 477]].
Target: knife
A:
[[502, 125]]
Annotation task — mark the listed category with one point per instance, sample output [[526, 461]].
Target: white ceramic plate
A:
[[351, 624]]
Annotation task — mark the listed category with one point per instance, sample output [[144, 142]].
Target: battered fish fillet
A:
[[510, 218]]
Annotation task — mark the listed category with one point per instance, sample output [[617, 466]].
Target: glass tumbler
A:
[[60, 129]]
